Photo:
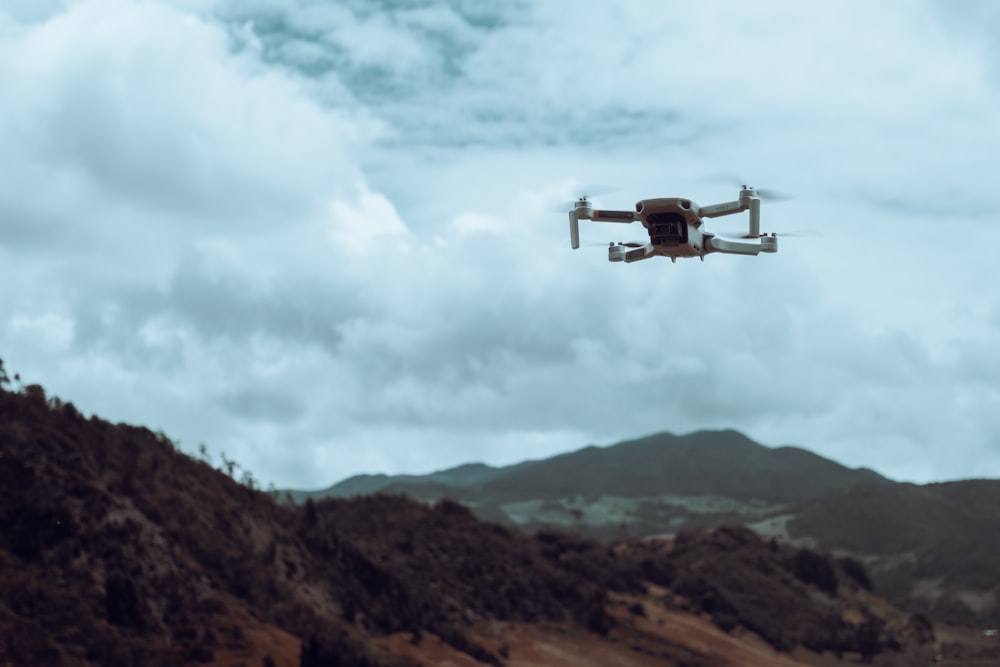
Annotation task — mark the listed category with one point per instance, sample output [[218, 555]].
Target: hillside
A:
[[117, 549], [930, 549], [135, 551]]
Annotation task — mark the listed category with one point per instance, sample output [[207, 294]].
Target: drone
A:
[[676, 228]]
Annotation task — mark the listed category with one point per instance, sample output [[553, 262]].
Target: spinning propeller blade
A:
[[595, 189], [804, 234], [728, 178], [769, 194], [586, 191]]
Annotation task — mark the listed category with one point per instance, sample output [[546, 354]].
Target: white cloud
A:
[[358, 224], [148, 106]]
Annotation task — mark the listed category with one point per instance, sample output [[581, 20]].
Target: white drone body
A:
[[676, 228]]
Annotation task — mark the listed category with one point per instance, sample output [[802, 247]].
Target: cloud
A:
[[319, 237], [31, 11], [263, 404], [147, 107]]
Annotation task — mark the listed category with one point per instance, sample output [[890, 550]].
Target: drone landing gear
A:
[[618, 253], [742, 247]]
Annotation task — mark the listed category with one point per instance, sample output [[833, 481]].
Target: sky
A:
[[326, 238]]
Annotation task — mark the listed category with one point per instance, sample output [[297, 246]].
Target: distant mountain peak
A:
[[723, 462]]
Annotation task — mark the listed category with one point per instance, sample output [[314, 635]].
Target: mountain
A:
[[930, 549], [469, 474], [654, 485], [707, 462], [724, 463], [118, 549]]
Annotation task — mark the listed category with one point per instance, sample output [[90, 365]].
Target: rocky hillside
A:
[[117, 549]]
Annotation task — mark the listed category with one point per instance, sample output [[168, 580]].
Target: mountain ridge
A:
[[589, 465]]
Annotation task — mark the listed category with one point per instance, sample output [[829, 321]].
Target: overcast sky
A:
[[319, 236]]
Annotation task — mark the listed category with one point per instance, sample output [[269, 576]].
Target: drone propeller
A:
[[586, 191], [595, 189], [804, 234], [767, 194]]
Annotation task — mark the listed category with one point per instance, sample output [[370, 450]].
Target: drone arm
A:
[[583, 211], [748, 201], [719, 210], [614, 216]]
